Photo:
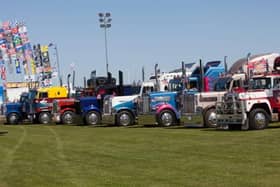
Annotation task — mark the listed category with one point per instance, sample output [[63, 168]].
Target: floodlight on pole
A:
[[57, 62], [105, 22]]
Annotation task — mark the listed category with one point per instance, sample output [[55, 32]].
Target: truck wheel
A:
[[44, 118], [67, 117], [258, 119], [13, 118], [210, 118], [124, 118], [92, 118], [166, 118]]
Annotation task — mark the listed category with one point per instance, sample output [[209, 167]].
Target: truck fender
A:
[[207, 108], [265, 106], [16, 112], [261, 103], [90, 108], [166, 106], [67, 109], [126, 109]]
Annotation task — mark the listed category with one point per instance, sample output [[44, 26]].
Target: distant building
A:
[[14, 89]]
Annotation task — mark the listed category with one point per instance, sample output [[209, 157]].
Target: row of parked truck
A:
[[246, 96]]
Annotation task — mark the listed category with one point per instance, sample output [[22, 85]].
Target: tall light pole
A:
[[105, 22], [57, 62]]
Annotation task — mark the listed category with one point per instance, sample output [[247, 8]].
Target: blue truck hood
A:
[[158, 98], [13, 107], [89, 101]]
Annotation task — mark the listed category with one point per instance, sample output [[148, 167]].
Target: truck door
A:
[[275, 100]]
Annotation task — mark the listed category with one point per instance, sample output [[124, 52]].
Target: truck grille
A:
[[55, 107], [144, 105], [107, 105], [188, 103], [230, 104]]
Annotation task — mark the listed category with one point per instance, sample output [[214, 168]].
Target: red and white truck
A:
[[256, 107], [200, 108]]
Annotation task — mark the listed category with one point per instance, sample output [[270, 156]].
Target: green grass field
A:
[[40, 155]]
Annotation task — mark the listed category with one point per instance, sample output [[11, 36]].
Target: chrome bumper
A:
[[230, 119]]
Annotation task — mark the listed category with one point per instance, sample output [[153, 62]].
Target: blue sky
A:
[[147, 32]]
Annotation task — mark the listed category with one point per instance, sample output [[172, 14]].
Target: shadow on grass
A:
[[144, 126], [2, 133], [104, 125], [273, 127]]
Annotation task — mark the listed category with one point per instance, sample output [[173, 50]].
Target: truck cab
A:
[[124, 108], [254, 108], [200, 92], [44, 102], [89, 110], [63, 110], [164, 106], [128, 109], [19, 111], [199, 108]]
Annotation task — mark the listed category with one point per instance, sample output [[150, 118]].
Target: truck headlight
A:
[[155, 108]]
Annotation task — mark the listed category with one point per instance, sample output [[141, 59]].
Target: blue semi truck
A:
[[21, 110], [127, 110]]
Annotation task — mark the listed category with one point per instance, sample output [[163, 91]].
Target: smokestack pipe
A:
[[73, 80], [183, 74], [225, 64], [68, 84], [85, 82], [120, 83], [248, 71], [143, 74], [201, 74], [156, 74]]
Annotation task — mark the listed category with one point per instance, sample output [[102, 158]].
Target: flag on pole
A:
[[3, 72]]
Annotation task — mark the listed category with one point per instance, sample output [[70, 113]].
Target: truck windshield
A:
[[175, 85], [260, 83], [32, 94], [222, 84], [23, 98], [148, 89], [43, 95], [193, 84]]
